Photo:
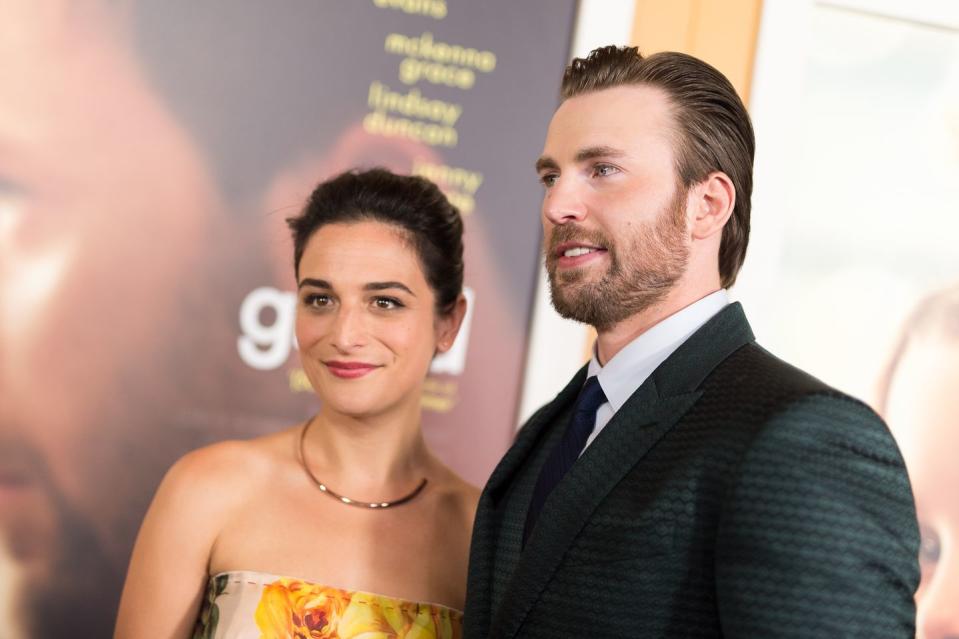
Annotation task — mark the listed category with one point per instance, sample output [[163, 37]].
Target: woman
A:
[[345, 524]]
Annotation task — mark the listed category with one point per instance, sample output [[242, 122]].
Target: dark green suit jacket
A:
[[731, 496]]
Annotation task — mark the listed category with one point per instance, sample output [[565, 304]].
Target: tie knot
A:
[[591, 397]]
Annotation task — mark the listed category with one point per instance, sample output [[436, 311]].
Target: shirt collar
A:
[[631, 366]]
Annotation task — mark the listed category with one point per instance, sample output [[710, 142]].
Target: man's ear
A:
[[448, 326], [710, 202]]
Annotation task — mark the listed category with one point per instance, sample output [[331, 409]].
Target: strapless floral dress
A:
[[255, 605]]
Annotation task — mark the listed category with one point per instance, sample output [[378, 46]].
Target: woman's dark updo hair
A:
[[413, 204]]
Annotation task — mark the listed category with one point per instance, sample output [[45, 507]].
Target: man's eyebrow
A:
[[593, 152], [589, 153], [382, 286], [545, 162], [309, 281]]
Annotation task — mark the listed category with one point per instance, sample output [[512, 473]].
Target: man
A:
[[686, 482]]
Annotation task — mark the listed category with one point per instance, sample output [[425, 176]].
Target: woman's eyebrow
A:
[[309, 281], [382, 286]]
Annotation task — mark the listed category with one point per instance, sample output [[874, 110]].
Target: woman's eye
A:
[[386, 303], [317, 301], [929, 547]]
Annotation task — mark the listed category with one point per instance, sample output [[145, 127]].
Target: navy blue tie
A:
[[562, 458]]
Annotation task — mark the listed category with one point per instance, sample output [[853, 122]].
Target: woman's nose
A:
[[349, 329]]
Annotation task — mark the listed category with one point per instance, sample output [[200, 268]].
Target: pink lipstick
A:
[[349, 370]]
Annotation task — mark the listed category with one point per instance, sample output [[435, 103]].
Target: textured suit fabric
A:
[[732, 496]]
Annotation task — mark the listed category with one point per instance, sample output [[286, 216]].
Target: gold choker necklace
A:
[[378, 505]]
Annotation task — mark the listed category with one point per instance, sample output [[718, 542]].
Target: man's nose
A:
[[563, 202], [938, 613]]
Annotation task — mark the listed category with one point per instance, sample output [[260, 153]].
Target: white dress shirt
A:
[[631, 366]]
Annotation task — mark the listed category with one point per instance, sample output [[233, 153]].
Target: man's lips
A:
[[350, 370], [573, 254]]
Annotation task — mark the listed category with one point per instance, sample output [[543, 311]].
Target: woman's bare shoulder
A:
[[229, 471], [198, 496]]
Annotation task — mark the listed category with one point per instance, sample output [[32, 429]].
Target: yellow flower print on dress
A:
[[293, 609]]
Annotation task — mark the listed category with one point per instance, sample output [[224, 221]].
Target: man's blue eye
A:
[[605, 169]]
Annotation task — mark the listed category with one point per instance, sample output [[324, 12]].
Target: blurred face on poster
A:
[[105, 208], [922, 408]]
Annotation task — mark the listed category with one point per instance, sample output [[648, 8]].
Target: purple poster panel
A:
[[150, 152]]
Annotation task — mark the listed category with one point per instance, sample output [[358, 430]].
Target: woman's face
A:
[[923, 411], [365, 323]]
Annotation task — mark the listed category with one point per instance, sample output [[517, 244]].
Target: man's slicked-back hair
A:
[[713, 133]]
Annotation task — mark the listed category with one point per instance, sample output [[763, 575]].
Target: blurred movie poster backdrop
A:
[[150, 151]]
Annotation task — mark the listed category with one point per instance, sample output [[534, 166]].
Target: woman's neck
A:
[[375, 455]]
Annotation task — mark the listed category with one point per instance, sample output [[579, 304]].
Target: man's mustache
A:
[[574, 233]]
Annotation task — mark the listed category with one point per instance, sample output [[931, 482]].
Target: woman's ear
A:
[[448, 326]]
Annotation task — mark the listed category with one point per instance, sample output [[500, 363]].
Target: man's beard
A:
[[640, 274]]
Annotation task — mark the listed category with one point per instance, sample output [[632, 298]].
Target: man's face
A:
[[922, 409], [614, 215], [104, 204]]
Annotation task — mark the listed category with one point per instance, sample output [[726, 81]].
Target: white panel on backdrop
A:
[[453, 361], [853, 211], [941, 13]]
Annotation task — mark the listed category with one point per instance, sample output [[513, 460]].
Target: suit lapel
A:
[[483, 547], [530, 435], [645, 418], [632, 432]]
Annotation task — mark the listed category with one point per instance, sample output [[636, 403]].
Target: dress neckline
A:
[[262, 578]]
